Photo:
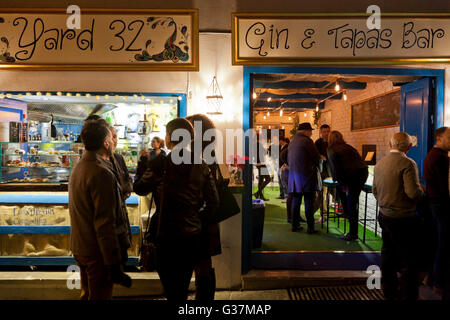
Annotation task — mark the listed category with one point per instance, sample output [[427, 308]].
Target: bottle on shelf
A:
[[24, 129]]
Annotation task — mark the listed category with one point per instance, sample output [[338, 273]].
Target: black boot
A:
[[202, 288], [212, 284]]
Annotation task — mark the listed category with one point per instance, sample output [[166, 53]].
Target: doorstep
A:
[[280, 279], [53, 286]]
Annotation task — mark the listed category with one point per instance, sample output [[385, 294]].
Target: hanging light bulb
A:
[[290, 118], [269, 98], [265, 117], [254, 95], [345, 96], [337, 87], [281, 112], [305, 114], [317, 108], [268, 113]]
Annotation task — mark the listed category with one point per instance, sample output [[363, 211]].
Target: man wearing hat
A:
[[303, 160]]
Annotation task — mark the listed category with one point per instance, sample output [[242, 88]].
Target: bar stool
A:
[[368, 189]]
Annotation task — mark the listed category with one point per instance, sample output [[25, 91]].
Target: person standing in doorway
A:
[[397, 188], [351, 172], [436, 174], [283, 145], [322, 146], [303, 161], [263, 172]]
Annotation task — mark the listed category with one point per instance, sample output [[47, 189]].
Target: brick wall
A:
[[341, 121]]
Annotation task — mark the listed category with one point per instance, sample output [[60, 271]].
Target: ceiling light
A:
[[265, 117], [28, 94], [88, 95], [48, 94], [268, 113], [97, 97], [142, 97], [317, 108], [281, 112], [305, 114], [180, 98], [68, 94], [38, 93], [116, 96], [290, 118], [78, 95], [345, 96], [254, 95], [2, 95], [8, 95], [269, 98], [125, 97], [337, 87], [20, 95], [135, 95], [161, 101], [59, 93], [106, 96]]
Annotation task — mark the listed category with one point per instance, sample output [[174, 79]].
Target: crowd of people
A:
[[100, 184], [100, 229], [407, 209]]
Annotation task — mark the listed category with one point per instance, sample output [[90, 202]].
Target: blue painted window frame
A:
[[437, 74], [13, 110]]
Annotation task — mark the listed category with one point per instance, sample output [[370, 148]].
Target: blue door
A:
[[416, 117]]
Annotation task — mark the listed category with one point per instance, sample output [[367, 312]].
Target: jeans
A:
[[176, 260], [309, 208], [283, 185], [441, 266], [398, 254], [350, 200]]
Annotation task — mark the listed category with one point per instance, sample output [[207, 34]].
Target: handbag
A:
[[228, 205]]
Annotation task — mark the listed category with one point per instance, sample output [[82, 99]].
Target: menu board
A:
[[378, 112]]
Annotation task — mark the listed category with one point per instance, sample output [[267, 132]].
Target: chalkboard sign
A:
[[378, 112]]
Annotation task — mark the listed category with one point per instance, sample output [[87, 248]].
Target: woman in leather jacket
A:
[[182, 190], [205, 277]]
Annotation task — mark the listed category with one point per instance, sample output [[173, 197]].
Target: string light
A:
[[38, 93], [345, 96], [142, 97], [97, 97], [290, 118], [20, 95], [2, 95], [88, 95], [337, 87], [28, 94], [106, 96], [59, 93], [125, 97], [254, 95], [281, 112], [78, 95], [8, 95], [135, 95], [180, 98], [116, 96], [68, 94], [269, 98], [305, 114], [268, 113], [48, 94], [317, 108], [264, 117]]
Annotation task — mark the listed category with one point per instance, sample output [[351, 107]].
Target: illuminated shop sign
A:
[[119, 39], [325, 39]]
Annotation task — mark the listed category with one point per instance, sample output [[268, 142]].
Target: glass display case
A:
[[38, 162]]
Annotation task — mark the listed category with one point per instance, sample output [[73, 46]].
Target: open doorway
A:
[[367, 106]]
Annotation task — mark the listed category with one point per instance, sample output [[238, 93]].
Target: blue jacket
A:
[[303, 162]]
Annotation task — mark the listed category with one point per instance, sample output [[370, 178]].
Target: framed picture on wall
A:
[[325, 118]]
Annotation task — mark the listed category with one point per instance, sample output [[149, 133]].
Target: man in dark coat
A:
[[303, 161]]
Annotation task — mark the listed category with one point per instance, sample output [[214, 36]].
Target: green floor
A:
[[277, 235]]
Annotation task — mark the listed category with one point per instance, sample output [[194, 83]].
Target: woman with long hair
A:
[[205, 277], [157, 147], [350, 171]]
